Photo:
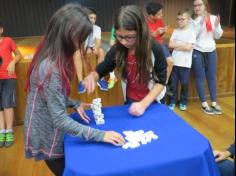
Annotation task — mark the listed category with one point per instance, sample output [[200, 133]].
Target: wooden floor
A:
[[218, 129]]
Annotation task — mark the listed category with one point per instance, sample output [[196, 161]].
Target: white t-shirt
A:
[[183, 58], [205, 41], [96, 34]]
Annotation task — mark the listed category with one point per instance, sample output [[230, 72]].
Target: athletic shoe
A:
[[2, 139], [9, 139], [102, 85], [216, 109], [81, 88], [208, 110], [111, 83], [182, 107], [172, 106]]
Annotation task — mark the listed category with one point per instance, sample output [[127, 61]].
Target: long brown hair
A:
[[207, 7], [131, 18], [68, 28]]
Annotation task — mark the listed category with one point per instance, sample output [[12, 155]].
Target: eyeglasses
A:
[[129, 38], [197, 5], [180, 19]]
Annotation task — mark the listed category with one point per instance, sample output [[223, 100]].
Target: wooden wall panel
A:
[[225, 73], [225, 82]]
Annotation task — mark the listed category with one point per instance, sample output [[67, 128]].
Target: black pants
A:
[[56, 166]]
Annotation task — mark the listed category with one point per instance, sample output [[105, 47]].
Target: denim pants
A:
[[180, 74], [226, 168], [204, 67]]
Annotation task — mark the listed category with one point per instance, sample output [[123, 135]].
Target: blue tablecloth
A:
[[179, 151]]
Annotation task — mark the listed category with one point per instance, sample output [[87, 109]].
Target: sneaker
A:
[[81, 88], [216, 109], [102, 85], [208, 110], [111, 83], [9, 139], [172, 106], [2, 139], [182, 107]]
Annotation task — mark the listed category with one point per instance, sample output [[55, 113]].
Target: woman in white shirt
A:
[[208, 28]]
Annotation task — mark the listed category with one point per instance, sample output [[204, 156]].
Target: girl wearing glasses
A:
[[182, 40], [208, 29], [137, 58]]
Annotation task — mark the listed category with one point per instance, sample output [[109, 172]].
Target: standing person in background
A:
[[48, 88], [137, 58], [182, 40], [208, 28], [225, 166], [7, 87], [157, 30]]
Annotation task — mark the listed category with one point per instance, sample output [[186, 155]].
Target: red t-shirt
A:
[[135, 90], [153, 26], [7, 46]]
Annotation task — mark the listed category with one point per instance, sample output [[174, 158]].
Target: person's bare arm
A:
[[12, 64], [180, 46]]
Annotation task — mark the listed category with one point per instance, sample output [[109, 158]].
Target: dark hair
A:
[[131, 18], [91, 10], [1, 25], [152, 8], [68, 28]]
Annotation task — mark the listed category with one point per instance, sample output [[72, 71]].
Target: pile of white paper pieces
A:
[[97, 111], [137, 138]]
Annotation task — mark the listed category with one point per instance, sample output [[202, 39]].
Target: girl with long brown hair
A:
[[137, 58]]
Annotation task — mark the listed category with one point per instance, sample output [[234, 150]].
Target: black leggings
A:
[[56, 166]]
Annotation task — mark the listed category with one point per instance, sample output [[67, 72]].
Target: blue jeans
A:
[[204, 66], [180, 74], [226, 168], [165, 50]]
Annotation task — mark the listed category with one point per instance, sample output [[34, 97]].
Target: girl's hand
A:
[[161, 30], [217, 21], [137, 109], [95, 51], [11, 68], [221, 155], [82, 113], [90, 82], [165, 29], [114, 138]]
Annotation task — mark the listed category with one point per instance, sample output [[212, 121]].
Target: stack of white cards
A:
[[137, 138], [97, 111]]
